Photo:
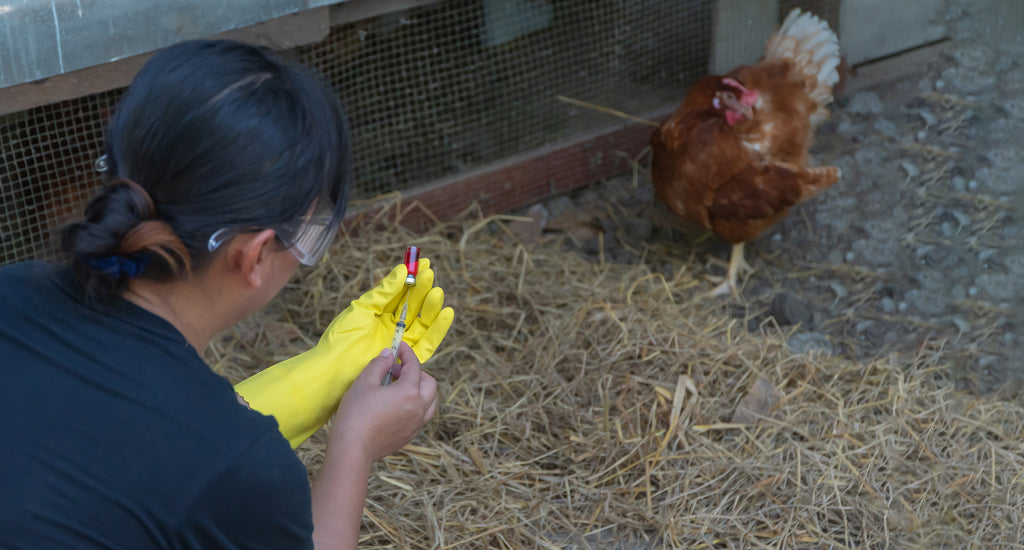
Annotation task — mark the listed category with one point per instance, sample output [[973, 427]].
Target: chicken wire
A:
[[46, 171], [431, 92]]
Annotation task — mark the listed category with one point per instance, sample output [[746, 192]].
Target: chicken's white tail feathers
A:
[[807, 40]]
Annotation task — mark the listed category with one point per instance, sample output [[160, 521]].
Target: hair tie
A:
[[119, 266]]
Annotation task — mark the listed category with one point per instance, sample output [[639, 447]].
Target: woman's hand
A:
[[303, 392], [380, 420], [372, 422]]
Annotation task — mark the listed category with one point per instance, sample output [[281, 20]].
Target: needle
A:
[[395, 341]]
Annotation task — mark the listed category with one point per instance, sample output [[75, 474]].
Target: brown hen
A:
[[733, 156]]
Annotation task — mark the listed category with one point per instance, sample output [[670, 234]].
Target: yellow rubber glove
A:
[[303, 392]]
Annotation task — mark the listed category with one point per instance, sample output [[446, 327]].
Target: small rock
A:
[[849, 130], [810, 343], [638, 228], [528, 232], [987, 254], [668, 271], [923, 254], [839, 289], [1015, 107], [997, 286], [560, 204], [1015, 263], [864, 328], [790, 310], [886, 128], [644, 193], [876, 252], [760, 402], [912, 170], [887, 304], [865, 103], [930, 279], [927, 302], [869, 156], [973, 58], [974, 82], [959, 184], [961, 324], [960, 216], [880, 229], [591, 246], [1006, 157], [929, 118]]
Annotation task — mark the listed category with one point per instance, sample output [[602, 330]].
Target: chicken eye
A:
[[729, 96]]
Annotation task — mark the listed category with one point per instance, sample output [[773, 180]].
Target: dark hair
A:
[[215, 134]]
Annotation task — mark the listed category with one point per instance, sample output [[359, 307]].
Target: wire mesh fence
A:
[[431, 95], [431, 91], [46, 171]]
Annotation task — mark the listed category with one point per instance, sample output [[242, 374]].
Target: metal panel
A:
[[297, 29], [43, 38]]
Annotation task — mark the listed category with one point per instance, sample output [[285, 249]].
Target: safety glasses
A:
[[308, 237]]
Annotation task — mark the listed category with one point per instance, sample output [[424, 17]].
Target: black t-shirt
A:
[[115, 434]]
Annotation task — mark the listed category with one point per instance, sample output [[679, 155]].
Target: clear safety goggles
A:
[[308, 237]]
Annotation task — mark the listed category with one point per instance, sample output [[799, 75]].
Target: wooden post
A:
[[870, 29]]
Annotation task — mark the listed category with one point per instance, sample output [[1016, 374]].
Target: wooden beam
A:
[[522, 180], [897, 67], [281, 33]]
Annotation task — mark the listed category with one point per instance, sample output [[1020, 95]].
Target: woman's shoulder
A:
[[26, 271]]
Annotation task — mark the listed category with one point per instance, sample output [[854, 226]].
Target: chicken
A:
[[733, 156]]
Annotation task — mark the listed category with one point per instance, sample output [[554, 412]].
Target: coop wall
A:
[[435, 93]]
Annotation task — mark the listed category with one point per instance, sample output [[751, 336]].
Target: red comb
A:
[[732, 82]]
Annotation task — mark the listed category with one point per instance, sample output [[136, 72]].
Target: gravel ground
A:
[[917, 245]]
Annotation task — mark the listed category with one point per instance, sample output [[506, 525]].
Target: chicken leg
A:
[[736, 265]]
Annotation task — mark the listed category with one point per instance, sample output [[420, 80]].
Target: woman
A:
[[228, 168]]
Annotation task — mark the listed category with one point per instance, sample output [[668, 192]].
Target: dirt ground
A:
[[917, 245]]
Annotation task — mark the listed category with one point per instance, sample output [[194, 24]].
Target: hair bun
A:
[[118, 239]]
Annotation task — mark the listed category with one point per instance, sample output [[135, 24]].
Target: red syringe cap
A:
[[412, 264]]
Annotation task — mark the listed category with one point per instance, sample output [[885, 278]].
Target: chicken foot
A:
[[736, 265]]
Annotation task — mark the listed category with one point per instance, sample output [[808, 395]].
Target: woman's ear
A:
[[252, 255]]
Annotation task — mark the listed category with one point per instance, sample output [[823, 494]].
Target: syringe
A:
[[412, 267], [395, 341]]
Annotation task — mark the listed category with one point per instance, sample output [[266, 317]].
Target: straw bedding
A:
[[591, 405]]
